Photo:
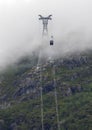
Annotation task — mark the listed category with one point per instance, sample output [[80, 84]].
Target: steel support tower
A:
[[45, 23]]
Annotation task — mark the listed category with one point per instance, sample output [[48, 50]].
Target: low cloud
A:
[[21, 31]]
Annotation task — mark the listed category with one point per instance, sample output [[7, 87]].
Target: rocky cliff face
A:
[[73, 76]]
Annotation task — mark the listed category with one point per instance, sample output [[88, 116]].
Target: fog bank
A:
[[21, 31]]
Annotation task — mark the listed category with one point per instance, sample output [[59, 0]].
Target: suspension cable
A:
[[39, 67], [41, 91], [56, 98]]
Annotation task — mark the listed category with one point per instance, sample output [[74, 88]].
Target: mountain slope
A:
[[20, 105]]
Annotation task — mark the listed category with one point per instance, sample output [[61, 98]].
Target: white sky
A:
[[20, 28]]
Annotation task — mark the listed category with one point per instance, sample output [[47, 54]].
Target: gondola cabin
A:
[[51, 42]]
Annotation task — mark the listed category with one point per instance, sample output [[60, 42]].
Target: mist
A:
[[21, 31]]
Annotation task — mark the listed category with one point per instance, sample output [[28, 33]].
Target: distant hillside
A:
[[20, 89]]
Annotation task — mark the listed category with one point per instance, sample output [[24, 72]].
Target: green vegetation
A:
[[74, 91]]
